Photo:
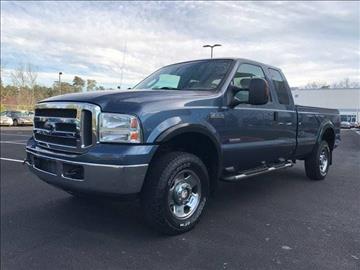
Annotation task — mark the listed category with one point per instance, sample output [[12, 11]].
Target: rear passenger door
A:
[[285, 119]]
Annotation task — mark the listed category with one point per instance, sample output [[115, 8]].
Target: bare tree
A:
[[18, 76], [19, 81], [2, 67], [3, 92], [316, 85], [346, 83], [31, 80], [24, 79]]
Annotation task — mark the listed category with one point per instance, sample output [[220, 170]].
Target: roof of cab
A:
[[229, 58]]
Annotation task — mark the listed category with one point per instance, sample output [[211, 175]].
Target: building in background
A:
[[347, 101]]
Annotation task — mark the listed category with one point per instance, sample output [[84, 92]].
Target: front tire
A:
[[318, 163], [175, 192], [15, 123]]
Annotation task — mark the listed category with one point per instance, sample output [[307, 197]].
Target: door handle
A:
[[276, 116]]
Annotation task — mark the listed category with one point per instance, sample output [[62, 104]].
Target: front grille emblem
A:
[[49, 125]]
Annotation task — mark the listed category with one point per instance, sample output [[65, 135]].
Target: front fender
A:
[[182, 128], [203, 128]]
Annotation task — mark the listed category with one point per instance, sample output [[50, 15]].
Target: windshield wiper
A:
[[167, 88]]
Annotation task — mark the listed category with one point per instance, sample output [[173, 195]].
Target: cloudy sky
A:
[[121, 42]]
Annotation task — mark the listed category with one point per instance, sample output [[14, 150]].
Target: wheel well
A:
[[329, 137], [201, 146]]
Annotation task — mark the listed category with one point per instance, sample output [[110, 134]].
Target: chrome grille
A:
[[66, 126]]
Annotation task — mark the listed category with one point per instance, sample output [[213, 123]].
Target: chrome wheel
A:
[[184, 194], [324, 162]]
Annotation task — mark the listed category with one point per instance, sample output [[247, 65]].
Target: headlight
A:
[[120, 128]]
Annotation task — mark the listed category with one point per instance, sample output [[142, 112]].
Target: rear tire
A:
[[175, 192], [318, 163], [15, 123]]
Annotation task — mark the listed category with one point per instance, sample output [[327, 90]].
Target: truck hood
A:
[[135, 101]]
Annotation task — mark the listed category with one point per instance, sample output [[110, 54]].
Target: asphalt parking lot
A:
[[276, 221]]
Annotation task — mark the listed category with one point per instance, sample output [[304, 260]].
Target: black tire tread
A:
[[155, 186], [312, 162]]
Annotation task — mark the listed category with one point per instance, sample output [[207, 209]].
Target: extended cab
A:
[[178, 132]]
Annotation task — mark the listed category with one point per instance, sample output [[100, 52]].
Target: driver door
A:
[[247, 134]]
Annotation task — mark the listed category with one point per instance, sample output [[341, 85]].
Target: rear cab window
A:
[[280, 86]]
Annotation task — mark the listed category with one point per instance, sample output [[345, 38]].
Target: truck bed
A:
[[309, 120]]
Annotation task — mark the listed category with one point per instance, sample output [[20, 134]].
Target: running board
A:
[[234, 178]]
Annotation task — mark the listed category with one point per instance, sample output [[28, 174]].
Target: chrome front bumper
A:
[[86, 177]]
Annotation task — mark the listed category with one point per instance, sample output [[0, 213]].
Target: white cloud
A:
[[102, 40]]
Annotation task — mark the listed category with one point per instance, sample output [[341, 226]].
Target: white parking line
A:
[[11, 159], [13, 142]]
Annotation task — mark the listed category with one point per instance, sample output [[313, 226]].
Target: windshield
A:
[[21, 114], [196, 75]]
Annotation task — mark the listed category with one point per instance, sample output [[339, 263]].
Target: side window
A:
[[244, 73], [280, 86], [242, 79]]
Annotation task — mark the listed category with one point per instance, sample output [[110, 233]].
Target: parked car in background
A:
[[20, 118], [5, 120], [30, 114], [345, 124]]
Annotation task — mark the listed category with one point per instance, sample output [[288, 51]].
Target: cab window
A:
[[242, 79], [280, 86]]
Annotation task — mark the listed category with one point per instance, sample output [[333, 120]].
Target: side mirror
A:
[[256, 94], [258, 91]]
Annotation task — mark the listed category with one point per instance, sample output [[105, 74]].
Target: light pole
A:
[[60, 73], [212, 47]]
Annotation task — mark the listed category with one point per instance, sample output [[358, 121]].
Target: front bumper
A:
[[6, 122], [82, 173], [25, 122]]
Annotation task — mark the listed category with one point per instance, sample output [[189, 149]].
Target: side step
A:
[[234, 178]]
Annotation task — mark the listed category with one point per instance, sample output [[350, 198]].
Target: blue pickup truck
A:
[[173, 136]]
